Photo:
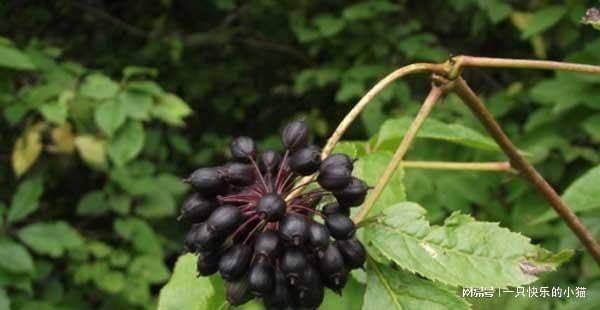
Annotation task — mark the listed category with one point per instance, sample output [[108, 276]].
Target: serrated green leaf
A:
[[370, 168], [171, 110], [393, 130], [462, 252], [542, 20], [99, 86], [11, 57], [184, 290], [51, 239], [580, 196], [397, 289], [15, 258], [26, 199], [109, 116], [127, 143]]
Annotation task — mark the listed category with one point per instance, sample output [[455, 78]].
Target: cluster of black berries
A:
[[265, 241]]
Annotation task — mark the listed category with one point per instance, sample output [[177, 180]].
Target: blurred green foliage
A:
[[95, 141]]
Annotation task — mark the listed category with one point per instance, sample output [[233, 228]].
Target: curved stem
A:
[[472, 61], [478, 108], [442, 68], [435, 94]]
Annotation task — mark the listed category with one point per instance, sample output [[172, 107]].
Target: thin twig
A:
[[435, 94], [111, 19], [502, 166], [478, 108], [471, 61]]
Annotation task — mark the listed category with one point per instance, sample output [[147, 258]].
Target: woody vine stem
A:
[[446, 77]]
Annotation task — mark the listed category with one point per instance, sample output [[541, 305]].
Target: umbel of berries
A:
[[268, 236]]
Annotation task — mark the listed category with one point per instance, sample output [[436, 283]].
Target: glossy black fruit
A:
[[338, 159], [306, 160], [235, 262], [353, 194], [281, 297], [271, 207], [208, 263], [267, 245], [196, 208], [318, 236], [238, 174], [331, 260], [208, 181], [295, 135], [334, 177], [311, 297], [224, 219], [269, 161], [238, 292], [293, 229], [201, 238], [242, 148], [353, 251], [340, 226], [335, 207], [337, 281], [293, 264], [261, 278]]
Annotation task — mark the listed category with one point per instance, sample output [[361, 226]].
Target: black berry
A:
[[318, 236], [208, 264], [293, 263], [267, 245], [334, 177], [340, 226], [224, 219], [208, 181], [196, 208], [261, 278], [271, 207], [338, 159], [335, 207], [201, 238], [306, 160], [243, 148], [353, 251], [353, 194], [238, 174], [235, 261], [281, 298], [269, 161], [238, 292], [293, 229], [295, 135]]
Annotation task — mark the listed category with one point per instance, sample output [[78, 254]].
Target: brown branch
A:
[[478, 108]]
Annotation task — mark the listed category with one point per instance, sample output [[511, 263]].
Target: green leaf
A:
[[392, 131], [148, 87], [4, 300], [51, 239], [135, 104], [93, 203], [542, 20], [171, 184], [156, 204], [184, 290], [55, 112], [149, 268], [497, 10], [369, 9], [11, 57], [580, 196], [171, 110], [140, 234], [92, 150], [329, 25], [389, 288], [131, 71], [99, 86], [127, 143], [26, 199], [15, 258], [370, 168], [110, 116], [462, 252]]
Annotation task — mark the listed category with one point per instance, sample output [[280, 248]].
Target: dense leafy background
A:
[[107, 104]]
